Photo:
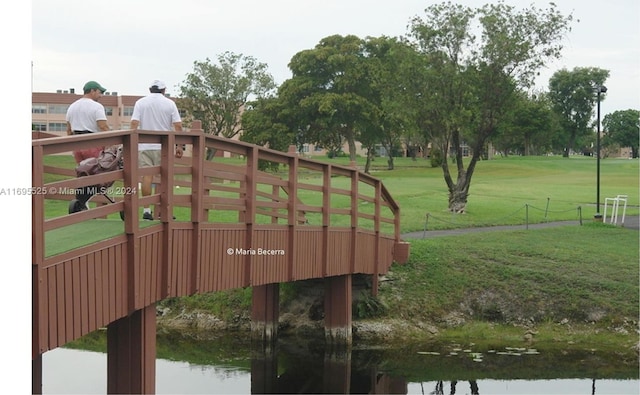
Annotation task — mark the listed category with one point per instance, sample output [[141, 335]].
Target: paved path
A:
[[630, 222]]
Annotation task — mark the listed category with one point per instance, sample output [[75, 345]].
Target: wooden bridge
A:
[[223, 224]]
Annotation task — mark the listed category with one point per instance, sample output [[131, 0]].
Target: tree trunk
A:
[[390, 165], [459, 190], [367, 164], [458, 197], [210, 154]]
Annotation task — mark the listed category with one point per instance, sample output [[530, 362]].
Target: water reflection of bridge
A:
[[333, 375], [91, 269]]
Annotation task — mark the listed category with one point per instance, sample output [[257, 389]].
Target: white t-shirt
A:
[[84, 114], [155, 112]]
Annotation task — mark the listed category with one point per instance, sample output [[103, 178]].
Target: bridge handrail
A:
[[249, 202]]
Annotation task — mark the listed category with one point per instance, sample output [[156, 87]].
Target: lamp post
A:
[[600, 89]]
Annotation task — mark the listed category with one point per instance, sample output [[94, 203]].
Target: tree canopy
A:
[[472, 78], [573, 95], [623, 128], [217, 93]]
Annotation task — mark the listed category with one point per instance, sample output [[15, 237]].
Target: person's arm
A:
[[177, 126], [69, 131], [103, 126], [134, 124]]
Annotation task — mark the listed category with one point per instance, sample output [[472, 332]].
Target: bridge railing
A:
[[230, 188]]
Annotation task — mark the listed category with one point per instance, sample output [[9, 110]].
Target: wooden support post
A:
[[131, 353], [337, 310], [265, 311]]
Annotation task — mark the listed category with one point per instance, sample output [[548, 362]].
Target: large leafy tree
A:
[[473, 77], [391, 70], [330, 91], [216, 93], [265, 123], [573, 95], [528, 128], [623, 128]]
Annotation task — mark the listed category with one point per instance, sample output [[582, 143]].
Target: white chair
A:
[[615, 204]]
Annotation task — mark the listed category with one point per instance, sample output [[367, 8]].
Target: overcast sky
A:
[[126, 44]]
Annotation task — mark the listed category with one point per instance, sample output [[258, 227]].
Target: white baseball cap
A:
[[159, 84]]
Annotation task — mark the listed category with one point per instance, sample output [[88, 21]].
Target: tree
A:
[[573, 95], [329, 90], [264, 124], [391, 65], [473, 78], [217, 93], [528, 128], [623, 128]]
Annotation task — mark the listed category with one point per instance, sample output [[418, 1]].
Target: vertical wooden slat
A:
[[130, 180], [105, 286], [326, 217], [376, 227], [60, 304], [99, 289], [77, 295], [250, 203], [68, 300], [84, 294], [292, 205], [133, 257], [204, 261], [51, 308], [197, 205], [39, 312], [354, 219], [111, 274], [145, 274], [120, 279]]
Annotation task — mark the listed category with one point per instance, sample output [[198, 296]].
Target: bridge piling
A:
[[131, 353], [265, 311], [338, 310]]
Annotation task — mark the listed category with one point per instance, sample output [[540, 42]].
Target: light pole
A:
[[600, 89]]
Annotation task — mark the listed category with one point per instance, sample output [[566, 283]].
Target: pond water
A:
[[189, 364]]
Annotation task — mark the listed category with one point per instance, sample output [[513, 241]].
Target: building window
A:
[[127, 111], [108, 111], [57, 127], [40, 126], [58, 108], [38, 109], [125, 126]]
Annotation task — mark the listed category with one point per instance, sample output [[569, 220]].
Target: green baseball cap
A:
[[93, 85]]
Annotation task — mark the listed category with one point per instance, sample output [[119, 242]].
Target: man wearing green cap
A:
[[86, 115]]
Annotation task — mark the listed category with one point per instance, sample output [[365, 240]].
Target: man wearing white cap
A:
[[154, 112]]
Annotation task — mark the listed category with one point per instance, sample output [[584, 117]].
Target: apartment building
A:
[[48, 110]]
